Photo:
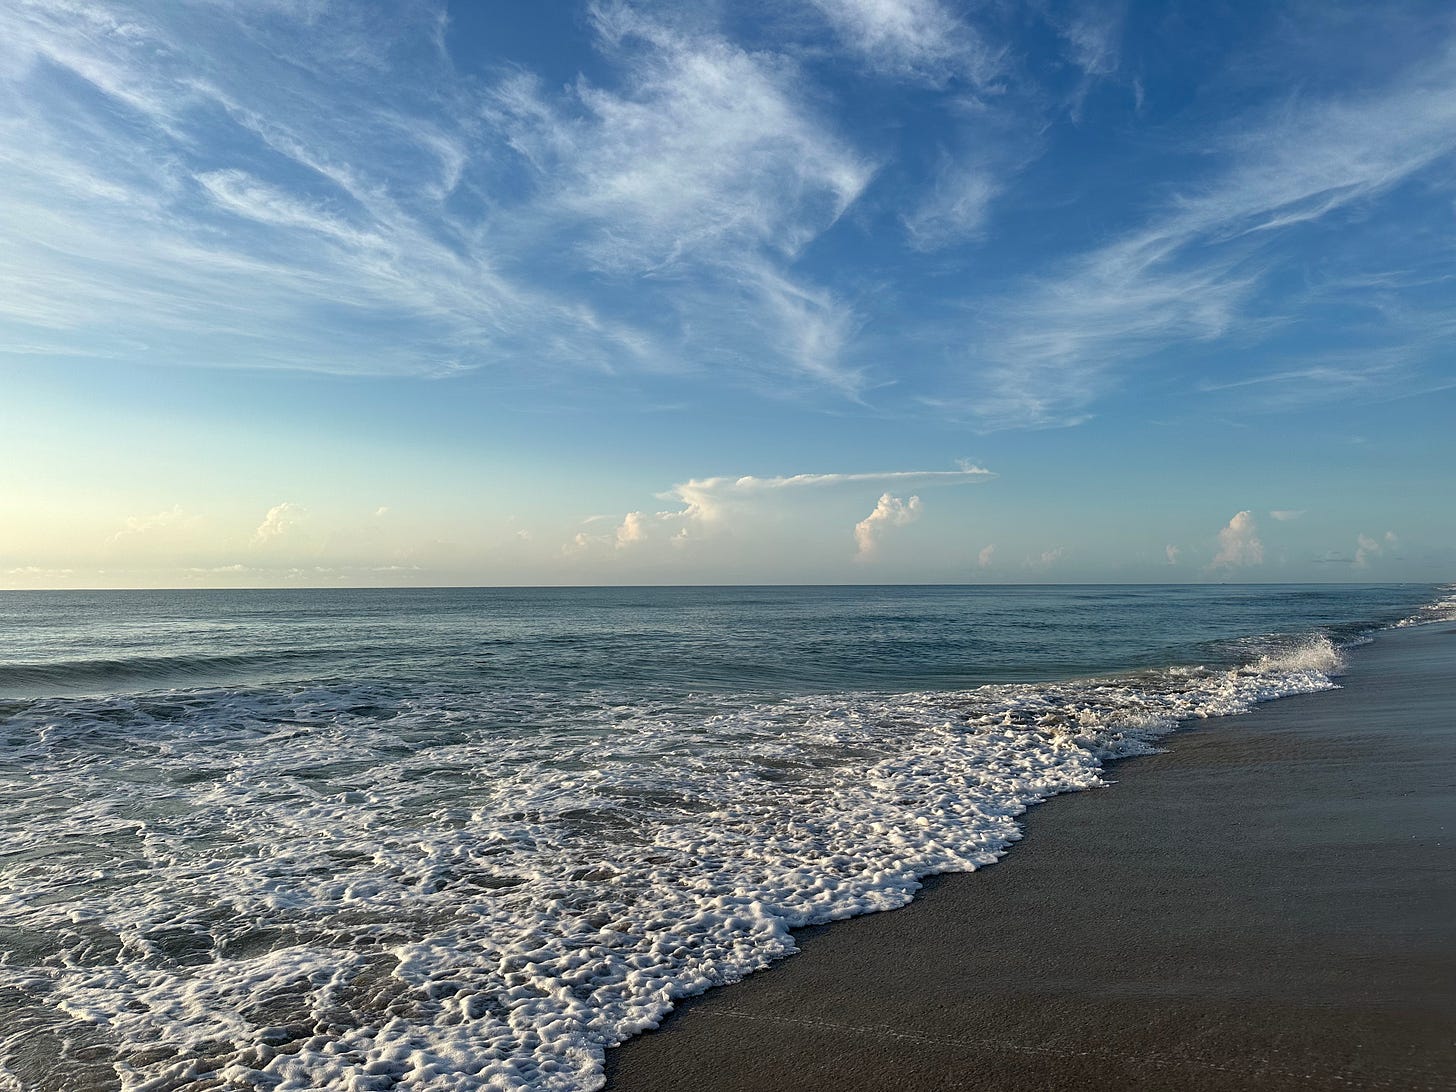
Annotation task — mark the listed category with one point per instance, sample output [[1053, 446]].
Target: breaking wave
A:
[[371, 886]]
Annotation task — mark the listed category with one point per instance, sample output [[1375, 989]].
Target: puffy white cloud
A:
[[705, 499], [281, 520], [580, 543], [890, 511], [1367, 549], [1238, 543], [632, 530]]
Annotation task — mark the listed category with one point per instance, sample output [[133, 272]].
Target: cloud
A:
[[580, 543], [631, 531], [281, 520], [957, 206], [171, 519], [706, 499], [890, 511], [1284, 515], [704, 170], [1192, 271], [1091, 39], [707, 149], [1172, 553], [174, 175], [919, 40], [715, 505], [983, 559], [1367, 549], [1238, 543]]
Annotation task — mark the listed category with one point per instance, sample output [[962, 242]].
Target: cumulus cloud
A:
[[711, 506], [580, 543], [983, 559], [1172, 553], [890, 511], [1367, 549], [1238, 543], [706, 499], [281, 520], [632, 530]]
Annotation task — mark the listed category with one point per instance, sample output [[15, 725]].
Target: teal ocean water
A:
[[461, 839]]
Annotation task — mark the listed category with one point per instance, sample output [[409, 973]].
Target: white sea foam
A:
[[359, 888], [1441, 609]]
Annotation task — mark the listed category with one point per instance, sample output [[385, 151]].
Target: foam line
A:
[[364, 886]]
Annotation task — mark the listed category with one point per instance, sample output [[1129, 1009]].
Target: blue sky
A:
[[302, 292]]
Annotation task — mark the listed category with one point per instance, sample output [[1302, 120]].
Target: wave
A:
[[105, 672], [368, 885], [1441, 609]]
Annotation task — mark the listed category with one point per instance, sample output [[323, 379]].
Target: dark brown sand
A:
[[1271, 905]]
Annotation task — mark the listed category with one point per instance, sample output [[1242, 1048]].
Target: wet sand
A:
[[1270, 905]]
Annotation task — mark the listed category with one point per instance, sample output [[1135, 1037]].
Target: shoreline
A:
[[1270, 904]]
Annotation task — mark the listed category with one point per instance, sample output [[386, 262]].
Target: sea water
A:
[[468, 839]]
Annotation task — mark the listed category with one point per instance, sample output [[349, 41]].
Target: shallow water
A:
[[470, 838]]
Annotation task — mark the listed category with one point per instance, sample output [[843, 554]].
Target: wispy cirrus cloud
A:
[[326, 187], [201, 187], [1193, 271], [922, 40], [704, 171]]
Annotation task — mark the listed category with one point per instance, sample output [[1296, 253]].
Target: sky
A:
[[318, 293]]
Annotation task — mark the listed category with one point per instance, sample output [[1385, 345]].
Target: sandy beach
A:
[[1269, 905]]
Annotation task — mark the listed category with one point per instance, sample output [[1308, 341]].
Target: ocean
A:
[[471, 838]]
